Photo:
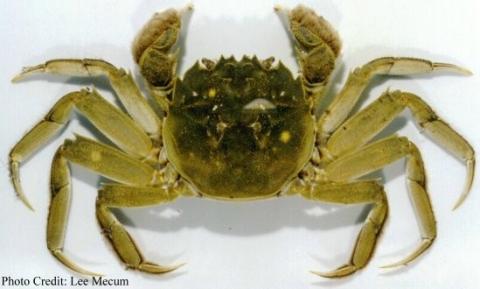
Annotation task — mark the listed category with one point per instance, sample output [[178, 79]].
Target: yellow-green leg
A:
[[58, 212], [362, 127], [115, 165], [109, 162], [112, 122], [118, 196], [365, 192], [341, 107], [121, 81], [376, 156]]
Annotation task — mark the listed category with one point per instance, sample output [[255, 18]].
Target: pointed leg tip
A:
[[452, 68], [27, 204], [27, 71], [464, 71], [468, 184], [18, 188], [20, 77], [460, 201], [158, 269], [23, 198], [338, 273], [17, 78], [469, 73], [424, 245], [72, 266], [462, 197], [175, 267], [322, 274]]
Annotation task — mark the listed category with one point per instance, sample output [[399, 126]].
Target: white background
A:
[[268, 244]]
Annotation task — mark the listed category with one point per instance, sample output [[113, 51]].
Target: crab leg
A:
[[58, 213], [121, 81], [379, 154], [105, 160], [365, 192], [119, 196], [108, 162], [362, 127], [360, 78], [107, 118]]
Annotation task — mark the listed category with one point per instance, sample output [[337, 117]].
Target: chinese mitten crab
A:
[[237, 130]]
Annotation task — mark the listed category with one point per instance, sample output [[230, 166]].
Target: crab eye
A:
[[259, 104]]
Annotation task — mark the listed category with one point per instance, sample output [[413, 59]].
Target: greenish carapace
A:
[[238, 130]]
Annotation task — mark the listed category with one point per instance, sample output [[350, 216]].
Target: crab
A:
[[238, 130]]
